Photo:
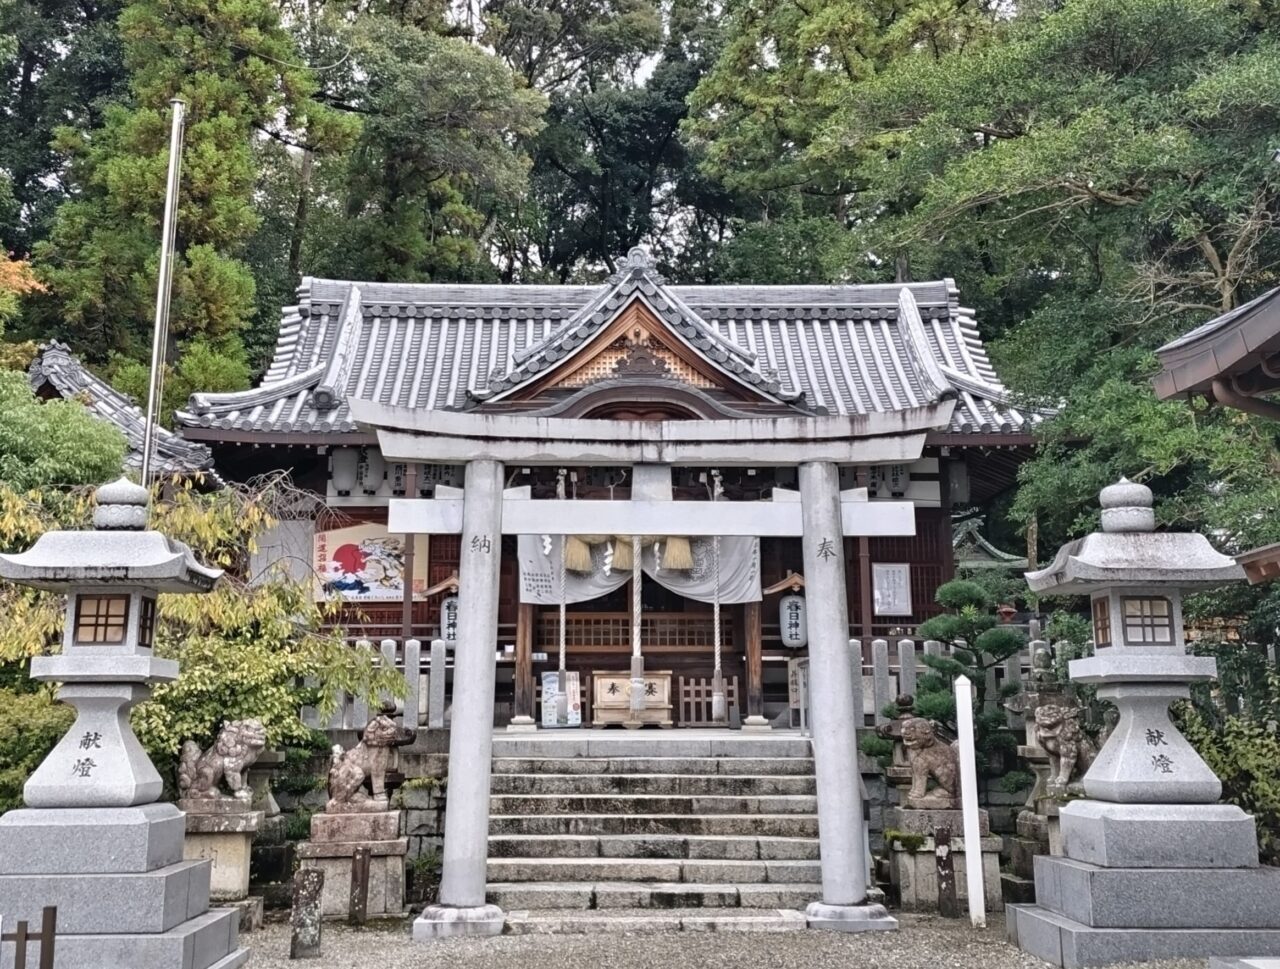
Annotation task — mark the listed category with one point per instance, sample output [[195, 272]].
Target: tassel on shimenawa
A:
[[577, 554], [677, 553]]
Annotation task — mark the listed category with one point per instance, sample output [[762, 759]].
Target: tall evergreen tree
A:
[[240, 74]]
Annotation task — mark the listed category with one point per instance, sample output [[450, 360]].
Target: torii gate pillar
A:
[[462, 909]]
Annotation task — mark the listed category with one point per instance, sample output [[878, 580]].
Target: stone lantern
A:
[[1152, 867], [92, 840]]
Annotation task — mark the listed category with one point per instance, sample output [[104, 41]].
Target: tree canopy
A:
[[1097, 176]]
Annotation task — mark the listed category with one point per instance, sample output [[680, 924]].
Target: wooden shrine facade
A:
[[890, 383]]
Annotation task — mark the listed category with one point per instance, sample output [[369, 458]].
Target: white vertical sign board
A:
[[550, 688], [969, 804]]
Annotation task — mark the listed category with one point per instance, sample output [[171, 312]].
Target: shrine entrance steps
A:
[[700, 819]]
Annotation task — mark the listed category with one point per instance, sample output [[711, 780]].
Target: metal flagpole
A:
[[164, 287], [719, 708], [637, 659], [562, 685]]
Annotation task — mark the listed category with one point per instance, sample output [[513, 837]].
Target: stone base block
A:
[[229, 853], [444, 921], [141, 902], [849, 918], [345, 849], [382, 826], [1016, 890], [1022, 855], [1033, 827], [915, 821], [209, 941], [90, 841], [272, 830], [1159, 835], [217, 805], [1063, 942], [1160, 898], [243, 822], [386, 885], [1244, 964], [251, 912], [915, 875]]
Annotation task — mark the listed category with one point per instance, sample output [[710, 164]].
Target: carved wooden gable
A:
[[636, 345]]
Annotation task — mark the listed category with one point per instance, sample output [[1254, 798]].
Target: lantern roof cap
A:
[[1129, 551], [119, 551]]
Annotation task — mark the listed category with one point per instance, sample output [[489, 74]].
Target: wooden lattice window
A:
[[101, 620], [1102, 621], [1147, 620], [147, 622]]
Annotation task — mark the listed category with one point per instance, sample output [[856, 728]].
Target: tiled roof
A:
[[838, 349], [57, 366]]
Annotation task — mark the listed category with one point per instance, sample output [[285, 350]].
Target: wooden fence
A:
[[22, 937]]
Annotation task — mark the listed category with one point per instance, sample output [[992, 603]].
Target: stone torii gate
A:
[[817, 445]]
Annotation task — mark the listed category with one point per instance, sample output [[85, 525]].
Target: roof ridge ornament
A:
[[638, 262]]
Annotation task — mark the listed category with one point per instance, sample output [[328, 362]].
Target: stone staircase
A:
[[595, 820]]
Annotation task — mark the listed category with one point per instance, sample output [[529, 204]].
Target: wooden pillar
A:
[[752, 633], [525, 619], [410, 551], [866, 604]]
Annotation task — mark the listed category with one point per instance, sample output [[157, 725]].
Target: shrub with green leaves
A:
[[977, 643]]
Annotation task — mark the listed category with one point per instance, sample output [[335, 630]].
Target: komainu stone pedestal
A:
[[333, 844], [913, 871], [225, 838], [124, 893]]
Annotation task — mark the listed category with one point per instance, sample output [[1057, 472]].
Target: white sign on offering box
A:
[[550, 687], [891, 588], [574, 692]]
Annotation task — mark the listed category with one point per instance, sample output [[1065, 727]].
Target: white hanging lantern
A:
[[375, 468], [343, 467], [792, 621]]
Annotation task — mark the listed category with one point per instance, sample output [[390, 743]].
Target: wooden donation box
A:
[[611, 698]]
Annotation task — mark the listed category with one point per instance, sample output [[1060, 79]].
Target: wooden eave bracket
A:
[[793, 582]]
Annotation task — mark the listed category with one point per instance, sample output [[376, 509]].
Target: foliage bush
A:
[[978, 644], [31, 722], [1016, 780], [1243, 752], [260, 650]]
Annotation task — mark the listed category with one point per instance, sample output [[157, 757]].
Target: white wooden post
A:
[[969, 804]]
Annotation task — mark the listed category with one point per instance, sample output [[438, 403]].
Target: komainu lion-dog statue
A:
[[201, 773], [368, 760], [930, 757]]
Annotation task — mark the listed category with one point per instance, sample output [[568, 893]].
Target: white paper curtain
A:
[[739, 572]]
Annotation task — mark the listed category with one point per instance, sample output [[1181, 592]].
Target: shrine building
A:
[[634, 476]]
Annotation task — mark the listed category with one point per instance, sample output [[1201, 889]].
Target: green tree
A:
[[66, 66], [47, 444], [1098, 179], [977, 644], [244, 648], [240, 74]]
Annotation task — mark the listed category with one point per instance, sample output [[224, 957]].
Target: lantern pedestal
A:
[[1151, 867], [99, 762], [90, 840]]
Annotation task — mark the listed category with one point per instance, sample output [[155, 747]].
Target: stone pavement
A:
[[924, 942]]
